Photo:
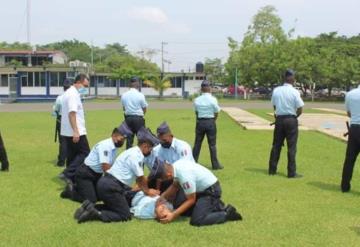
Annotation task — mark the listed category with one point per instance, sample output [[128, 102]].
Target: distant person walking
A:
[[135, 106], [288, 106], [73, 126]]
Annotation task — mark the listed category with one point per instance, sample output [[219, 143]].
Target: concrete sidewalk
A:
[[330, 124]]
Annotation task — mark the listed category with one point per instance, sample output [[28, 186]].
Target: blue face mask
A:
[[83, 91]]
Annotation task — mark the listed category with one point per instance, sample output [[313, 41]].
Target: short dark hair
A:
[[81, 77], [145, 141], [116, 131]]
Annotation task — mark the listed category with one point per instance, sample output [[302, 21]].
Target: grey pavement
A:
[[186, 104]]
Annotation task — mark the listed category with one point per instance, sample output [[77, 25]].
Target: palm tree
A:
[[159, 84]]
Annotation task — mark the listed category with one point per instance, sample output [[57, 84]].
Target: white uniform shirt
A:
[[286, 100], [134, 102], [72, 103], [128, 166], [192, 177]]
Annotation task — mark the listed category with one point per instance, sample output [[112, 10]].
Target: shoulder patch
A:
[[141, 164], [106, 153], [184, 153], [186, 185]]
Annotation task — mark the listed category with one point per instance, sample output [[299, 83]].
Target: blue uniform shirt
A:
[[102, 152], [128, 166], [286, 99], [134, 102], [206, 106], [352, 103], [192, 177], [179, 150]]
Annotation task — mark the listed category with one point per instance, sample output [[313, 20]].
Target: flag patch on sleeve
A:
[[186, 186]]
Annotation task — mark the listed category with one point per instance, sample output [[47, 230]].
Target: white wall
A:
[[58, 59], [4, 90], [33, 91], [193, 86]]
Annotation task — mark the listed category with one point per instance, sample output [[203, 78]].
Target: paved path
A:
[[330, 124], [331, 110], [186, 104]]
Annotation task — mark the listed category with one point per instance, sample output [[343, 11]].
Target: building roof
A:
[[27, 52]]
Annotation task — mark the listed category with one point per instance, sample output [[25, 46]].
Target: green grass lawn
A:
[[277, 211]]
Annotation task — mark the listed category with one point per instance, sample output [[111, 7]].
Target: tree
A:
[[265, 27], [159, 84], [214, 70]]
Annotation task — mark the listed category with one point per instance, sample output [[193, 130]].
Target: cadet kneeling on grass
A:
[[113, 187], [100, 159], [203, 192]]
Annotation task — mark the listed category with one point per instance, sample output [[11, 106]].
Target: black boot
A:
[[232, 214], [90, 213], [82, 209]]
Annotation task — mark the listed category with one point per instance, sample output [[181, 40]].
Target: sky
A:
[[192, 29]]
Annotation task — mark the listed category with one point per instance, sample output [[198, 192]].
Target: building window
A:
[[42, 79], [30, 79], [62, 77], [54, 82], [4, 81]]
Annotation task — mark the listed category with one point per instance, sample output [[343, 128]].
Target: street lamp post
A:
[[236, 83]]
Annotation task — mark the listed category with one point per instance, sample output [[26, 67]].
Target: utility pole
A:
[[162, 58], [28, 24]]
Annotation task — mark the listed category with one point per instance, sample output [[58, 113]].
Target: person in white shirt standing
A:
[[135, 105], [73, 126]]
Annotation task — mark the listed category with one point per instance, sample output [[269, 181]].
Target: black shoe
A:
[[82, 209], [60, 164], [218, 167], [67, 192], [90, 213], [297, 175], [272, 173], [231, 213], [345, 187]]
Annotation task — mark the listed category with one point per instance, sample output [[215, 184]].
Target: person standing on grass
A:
[[57, 113], [73, 126], [207, 110], [288, 107], [352, 103], [135, 106], [3, 156]]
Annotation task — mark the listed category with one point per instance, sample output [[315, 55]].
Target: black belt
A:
[[209, 191], [355, 125], [91, 170], [124, 186], [137, 116], [205, 118], [285, 116]]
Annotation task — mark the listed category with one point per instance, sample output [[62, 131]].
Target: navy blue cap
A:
[[125, 130], [146, 135], [163, 129], [134, 79], [205, 83], [289, 72], [158, 169], [67, 83]]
